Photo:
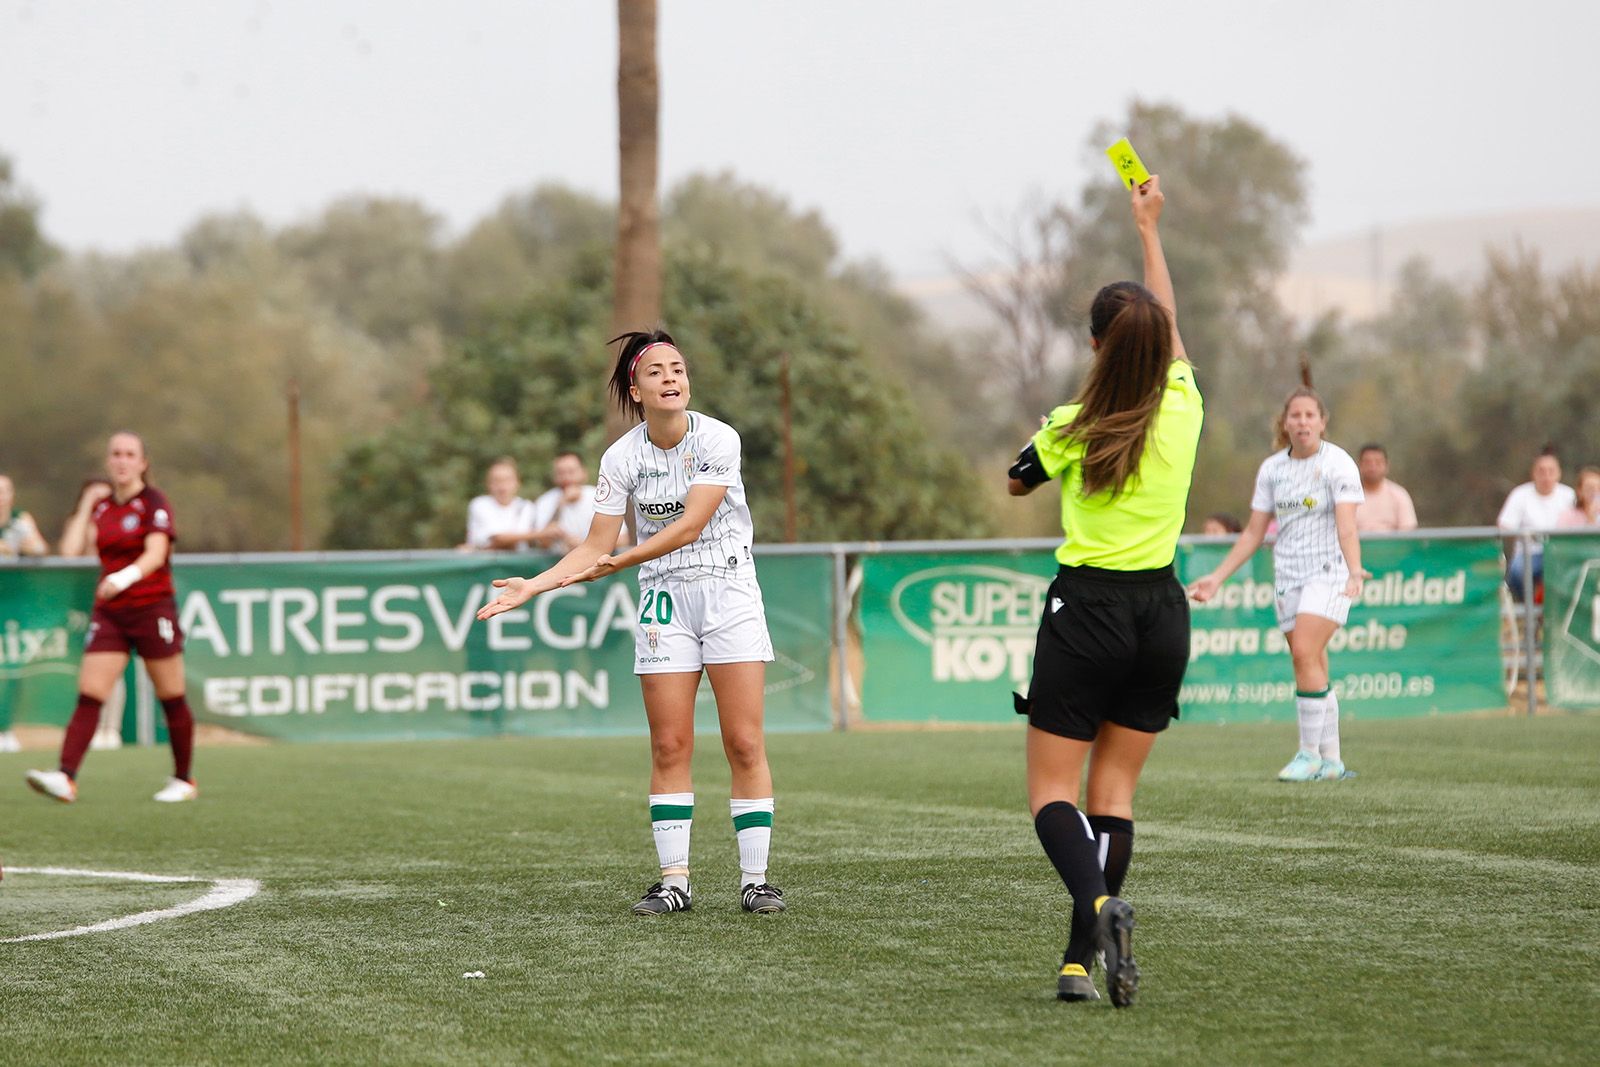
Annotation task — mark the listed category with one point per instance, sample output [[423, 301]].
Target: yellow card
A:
[[1129, 167]]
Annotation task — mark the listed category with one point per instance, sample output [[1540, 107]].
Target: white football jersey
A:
[[1302, 493], [659, 480]]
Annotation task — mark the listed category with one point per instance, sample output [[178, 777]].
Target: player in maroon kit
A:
[[134, 610]]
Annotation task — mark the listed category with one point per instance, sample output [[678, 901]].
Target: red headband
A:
[[634, 366]]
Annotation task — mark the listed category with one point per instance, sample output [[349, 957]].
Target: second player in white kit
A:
[[1311, 487], [700, 608], [1310, 573]]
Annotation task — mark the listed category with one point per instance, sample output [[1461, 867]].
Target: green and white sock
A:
[[671, 815], [1330, 728], [1311, 708], [752, 825]]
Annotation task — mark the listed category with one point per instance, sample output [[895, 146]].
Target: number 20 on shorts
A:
[[659, 602]]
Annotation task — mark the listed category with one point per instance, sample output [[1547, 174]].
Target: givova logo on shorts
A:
[[979, 622]]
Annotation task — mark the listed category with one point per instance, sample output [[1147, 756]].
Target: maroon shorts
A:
[[151, 630]]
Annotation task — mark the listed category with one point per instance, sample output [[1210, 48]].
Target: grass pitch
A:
[[1442, 907]]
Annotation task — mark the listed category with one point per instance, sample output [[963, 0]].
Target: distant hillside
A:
[[1353, 273]]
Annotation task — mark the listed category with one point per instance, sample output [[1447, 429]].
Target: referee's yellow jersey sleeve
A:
[[1056, 453]]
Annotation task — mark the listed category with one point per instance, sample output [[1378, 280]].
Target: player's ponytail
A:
[[634, 342], [1122, 394]]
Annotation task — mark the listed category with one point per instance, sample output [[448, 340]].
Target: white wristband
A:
[[120, 580]]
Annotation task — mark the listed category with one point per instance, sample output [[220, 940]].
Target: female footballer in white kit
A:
[[700, 608], [1312, 487]]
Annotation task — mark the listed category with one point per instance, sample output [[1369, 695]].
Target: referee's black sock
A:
[[1070, 844], [1114, 838], [1114, 842]]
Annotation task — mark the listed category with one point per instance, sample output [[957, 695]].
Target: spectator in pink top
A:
[[1387, 506], [1587, 511]]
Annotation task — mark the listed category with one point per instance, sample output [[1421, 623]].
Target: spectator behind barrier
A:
[[1587, 511], [501, 518], [77, 536], [1387, 506], [1220, 523], [563, 514], [1536, 507], [19, 534]]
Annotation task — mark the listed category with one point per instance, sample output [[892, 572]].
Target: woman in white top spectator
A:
[[19, 534], [1536, 507], [1587, 511], [501, 518]]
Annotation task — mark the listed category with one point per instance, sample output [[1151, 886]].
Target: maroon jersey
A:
[[120, 531]]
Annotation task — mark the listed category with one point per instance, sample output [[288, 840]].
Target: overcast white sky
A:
[[897, 120]]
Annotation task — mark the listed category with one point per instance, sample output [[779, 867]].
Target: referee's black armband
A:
[[1028, 469]]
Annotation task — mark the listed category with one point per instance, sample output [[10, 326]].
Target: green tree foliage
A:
[[870, 467], [23, 248], [530, 242], [746, 226], [1465, 385]]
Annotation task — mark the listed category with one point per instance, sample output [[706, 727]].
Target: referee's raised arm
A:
[[1148, 200]]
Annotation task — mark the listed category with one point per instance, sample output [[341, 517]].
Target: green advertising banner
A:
[[44, 615], [369, 650], [1572, 621], [950, 637]]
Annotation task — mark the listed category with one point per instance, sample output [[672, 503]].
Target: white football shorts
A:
[[1320, 597], [684, 625]]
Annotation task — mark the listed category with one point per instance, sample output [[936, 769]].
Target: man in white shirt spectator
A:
[[1535, 506], [1387, 505], [563, 513], [500, 518], [19, 534]]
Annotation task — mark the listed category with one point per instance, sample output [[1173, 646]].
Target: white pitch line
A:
[[224, 893]]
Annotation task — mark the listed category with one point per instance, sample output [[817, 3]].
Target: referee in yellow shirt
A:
[[1114, 640]]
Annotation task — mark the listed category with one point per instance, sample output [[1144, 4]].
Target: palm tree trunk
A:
[[636, 297]]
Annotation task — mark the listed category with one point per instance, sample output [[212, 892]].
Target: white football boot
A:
[[54, 784], [176, 791]]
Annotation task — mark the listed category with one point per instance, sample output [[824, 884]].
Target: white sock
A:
[[1330, 729], [671, 815], [1312, 708], [752, 825]]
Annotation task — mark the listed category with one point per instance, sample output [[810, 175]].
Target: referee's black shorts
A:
[[1113, 646]]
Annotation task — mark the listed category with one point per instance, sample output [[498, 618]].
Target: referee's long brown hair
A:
[[1122, 394]]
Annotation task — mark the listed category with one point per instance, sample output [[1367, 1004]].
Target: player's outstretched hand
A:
[[1203, 589], [603, 566], [1147, 201], [106, 590], [518, 591]]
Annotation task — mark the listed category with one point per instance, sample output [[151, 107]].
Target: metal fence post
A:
[[1530, 627]]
